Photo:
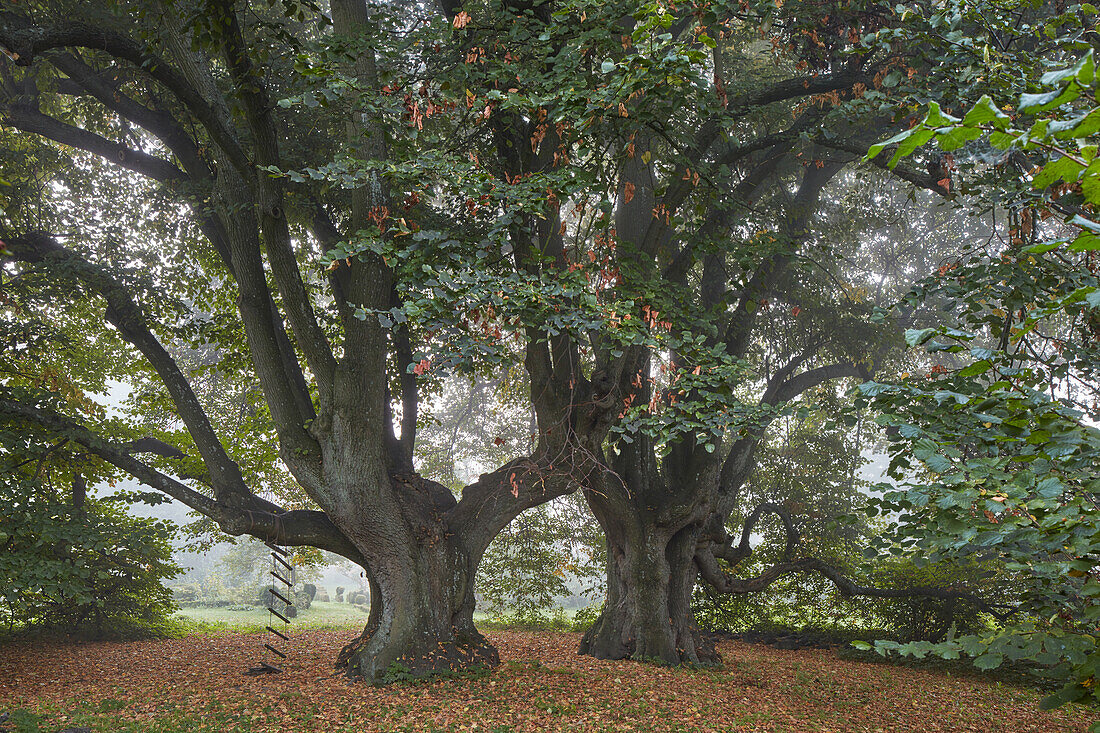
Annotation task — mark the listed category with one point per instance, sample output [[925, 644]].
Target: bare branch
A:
[[786, 390], [921, 179], [159, 122]]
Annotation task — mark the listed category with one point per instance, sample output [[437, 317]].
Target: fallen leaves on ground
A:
[[197, 684]]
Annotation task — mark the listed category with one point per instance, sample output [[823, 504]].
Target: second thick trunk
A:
[[650, 576]]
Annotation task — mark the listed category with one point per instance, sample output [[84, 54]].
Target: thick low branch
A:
[[116, 455], [294, 528], [254, 516], [735, 554], [723, 582]]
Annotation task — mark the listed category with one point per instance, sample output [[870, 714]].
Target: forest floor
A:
[[195, 684]]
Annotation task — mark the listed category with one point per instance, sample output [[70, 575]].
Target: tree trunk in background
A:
[[650, 576]]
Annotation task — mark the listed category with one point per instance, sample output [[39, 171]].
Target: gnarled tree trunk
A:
[[421, 623], [650, 576], [651, 515]]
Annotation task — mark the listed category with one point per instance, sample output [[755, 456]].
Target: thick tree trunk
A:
[[648, 616], [421, 621]]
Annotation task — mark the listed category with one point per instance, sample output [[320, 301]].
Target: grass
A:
[[319, 615]]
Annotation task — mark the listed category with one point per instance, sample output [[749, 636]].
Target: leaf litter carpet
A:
[[195, 684]]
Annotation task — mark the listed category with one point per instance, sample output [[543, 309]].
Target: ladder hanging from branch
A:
[[281, 588]]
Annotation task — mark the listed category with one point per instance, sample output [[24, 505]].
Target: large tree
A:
[[172, 108], [624, 196], [680, 167]]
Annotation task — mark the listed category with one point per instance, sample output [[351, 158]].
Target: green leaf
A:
[[937, 117], [986, 111], [956, 137], [874, 150], [1085, 241], [979, 367], [1083, 71], [1086, 127], [919, 137], [1070, 693], [988, 661], [1063, 169], [916, 337], [1035, 103]]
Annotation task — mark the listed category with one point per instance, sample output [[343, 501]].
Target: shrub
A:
[[95, 572]]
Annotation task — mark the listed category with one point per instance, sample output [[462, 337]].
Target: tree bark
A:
[[421, 622], [651, 516], [647, 617]]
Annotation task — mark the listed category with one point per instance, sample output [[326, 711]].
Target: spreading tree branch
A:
[[276, 232], [28, 119], [125, 315], [25, 40], [250, 515]]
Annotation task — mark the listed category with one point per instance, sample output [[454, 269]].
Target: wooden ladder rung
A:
[[280, 596], [264, 668], [281, 655], [275, 548]]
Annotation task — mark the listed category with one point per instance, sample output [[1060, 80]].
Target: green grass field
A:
[[318, 616]]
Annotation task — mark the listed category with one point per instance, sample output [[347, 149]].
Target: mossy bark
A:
[[648, 616], [421, 621]]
